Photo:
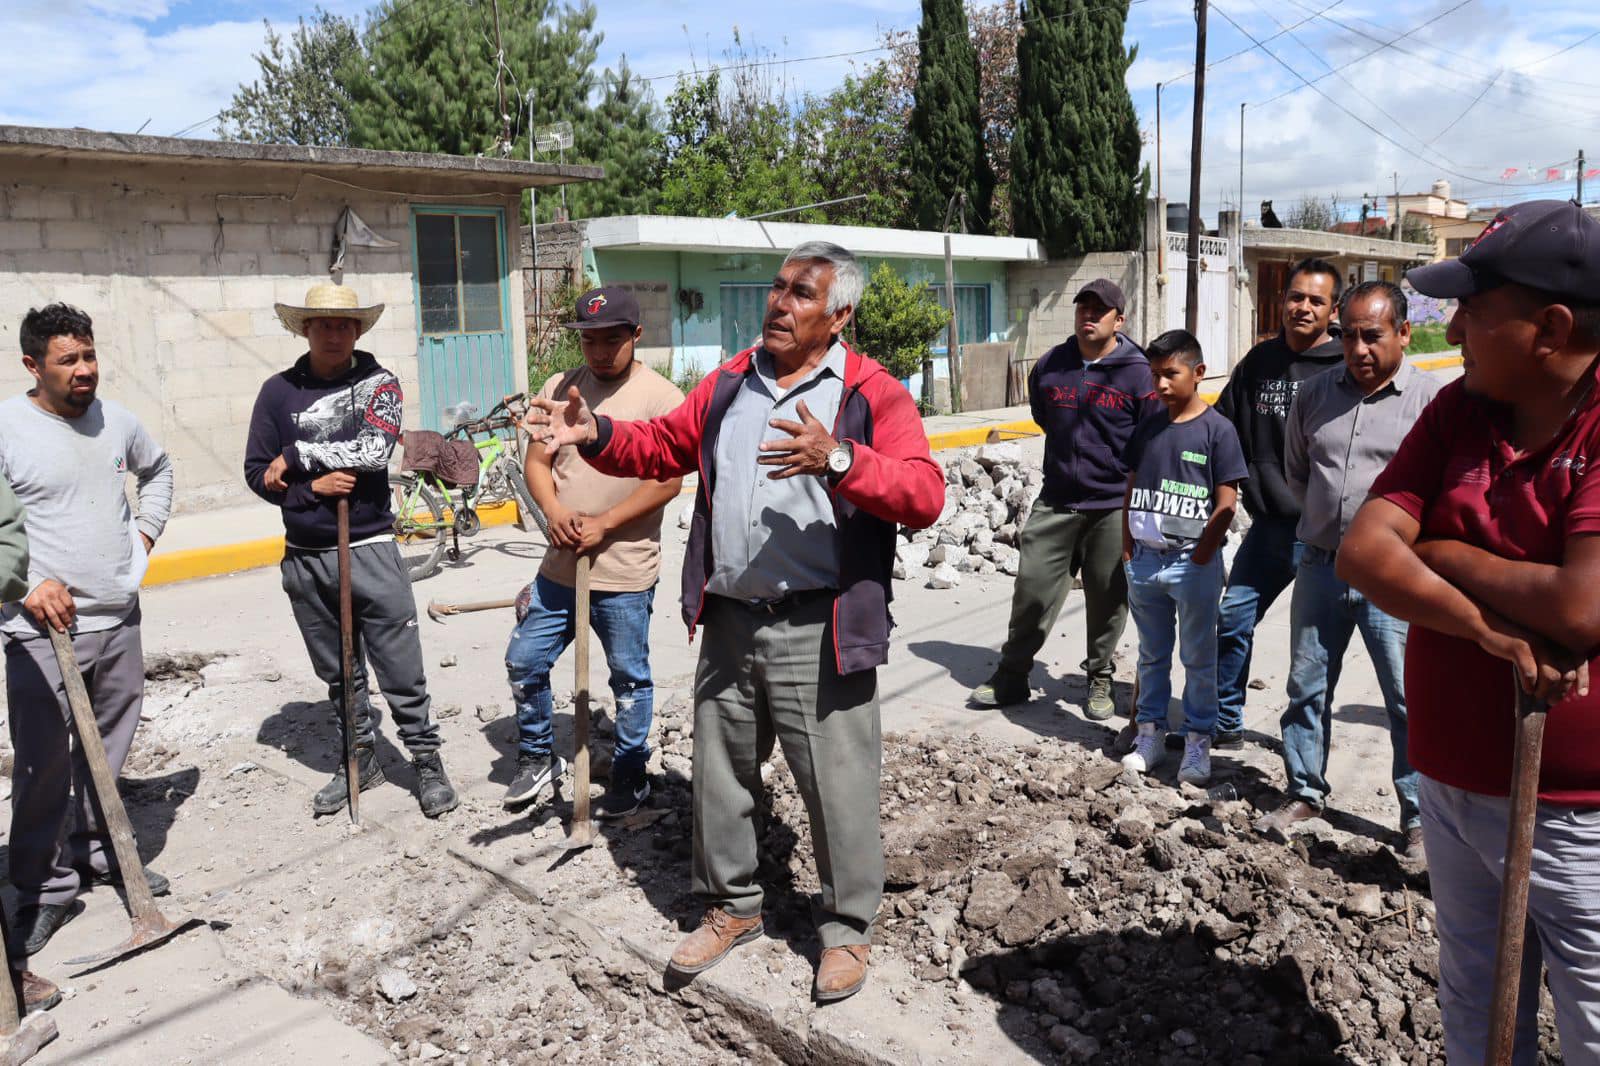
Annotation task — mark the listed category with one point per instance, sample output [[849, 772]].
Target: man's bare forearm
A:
[[648, 497], [1560, 607]]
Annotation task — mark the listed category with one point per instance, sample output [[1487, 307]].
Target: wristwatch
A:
[[840, 458]]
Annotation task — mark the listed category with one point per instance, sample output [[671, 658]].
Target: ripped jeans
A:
[[622, 622]]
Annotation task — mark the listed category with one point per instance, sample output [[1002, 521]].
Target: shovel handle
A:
[[347, 663], [1526, 756], [580, 704], [141, 904]]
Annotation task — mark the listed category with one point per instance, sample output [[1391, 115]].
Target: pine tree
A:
[[426, 80], [298, 98], [1076, 183], [945, 152], [620, 135]]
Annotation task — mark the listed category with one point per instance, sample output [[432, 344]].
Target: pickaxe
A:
[[150, 926], [440, 611]]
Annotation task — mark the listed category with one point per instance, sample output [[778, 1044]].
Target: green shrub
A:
[[1429, 338], [897, 322]]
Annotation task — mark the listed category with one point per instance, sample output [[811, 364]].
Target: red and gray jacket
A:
[[893, 480]]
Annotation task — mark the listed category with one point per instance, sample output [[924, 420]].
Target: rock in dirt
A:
[[1364, 901], [395, 986], [448, 661], [991, 896], [944, 576], [1044, 903]]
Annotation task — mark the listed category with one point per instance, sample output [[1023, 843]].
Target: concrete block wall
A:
[[180, 274], [1040, 297]]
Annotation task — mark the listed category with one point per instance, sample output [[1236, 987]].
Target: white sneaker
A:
[[1147, 750], [1196, 766]]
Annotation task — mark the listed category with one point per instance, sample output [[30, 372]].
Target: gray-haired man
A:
[[809, 455]]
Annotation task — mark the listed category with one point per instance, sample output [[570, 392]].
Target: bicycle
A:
[[425, 508]]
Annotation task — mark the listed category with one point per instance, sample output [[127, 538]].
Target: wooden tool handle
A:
[[141, 904], [347, 662], [580, 701], [1526, 756]]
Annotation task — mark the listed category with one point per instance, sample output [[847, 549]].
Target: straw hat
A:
[[327, 301]]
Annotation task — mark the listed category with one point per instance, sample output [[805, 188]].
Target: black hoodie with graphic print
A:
[[349, 423]]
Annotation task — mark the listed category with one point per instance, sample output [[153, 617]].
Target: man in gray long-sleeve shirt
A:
[[67, 455], [1344, 427]]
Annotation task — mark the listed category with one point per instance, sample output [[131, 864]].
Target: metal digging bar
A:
[[150, 926]]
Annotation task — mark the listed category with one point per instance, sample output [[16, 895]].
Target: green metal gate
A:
[[463, 310]]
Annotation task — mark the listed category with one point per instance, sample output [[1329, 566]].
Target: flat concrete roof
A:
[[730, 235], [466, 173], [1320, 242]]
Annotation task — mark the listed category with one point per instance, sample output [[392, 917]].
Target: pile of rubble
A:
[[988, 495], [1110, 920]]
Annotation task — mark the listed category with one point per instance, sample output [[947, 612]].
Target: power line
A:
[[1243, 51], [1374, 129]]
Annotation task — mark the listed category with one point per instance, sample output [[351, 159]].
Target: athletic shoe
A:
[[1196, 766], [1146, 753], [536, 775]]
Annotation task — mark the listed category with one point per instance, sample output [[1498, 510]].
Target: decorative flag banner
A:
[[1593, 172], [1508, 173], [1553, 174]]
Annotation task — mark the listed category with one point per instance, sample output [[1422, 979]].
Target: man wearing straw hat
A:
[[321, 430]]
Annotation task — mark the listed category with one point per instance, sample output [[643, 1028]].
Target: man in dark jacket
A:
[[323, 429], [1256, 400], [1087, 394], [809, 455]]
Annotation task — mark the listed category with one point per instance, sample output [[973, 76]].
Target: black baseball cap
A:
[[607, 306], [1550, 245], [1107, 292]]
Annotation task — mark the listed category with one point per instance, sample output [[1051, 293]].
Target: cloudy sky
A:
[[1487, 94]]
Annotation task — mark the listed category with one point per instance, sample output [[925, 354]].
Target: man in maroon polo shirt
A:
[[1484, 534]]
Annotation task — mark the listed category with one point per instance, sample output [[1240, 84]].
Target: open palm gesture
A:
[[560, 421]]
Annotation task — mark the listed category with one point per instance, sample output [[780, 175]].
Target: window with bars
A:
[[744, 309], [972, 313]]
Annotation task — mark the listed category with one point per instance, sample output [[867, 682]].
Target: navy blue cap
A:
[[609, 305], [1550, 245]]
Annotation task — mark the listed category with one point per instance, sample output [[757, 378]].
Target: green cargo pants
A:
[[1057, 544]]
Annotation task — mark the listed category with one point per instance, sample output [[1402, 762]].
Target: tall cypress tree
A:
[[944, 151], [620, 135], [1076, 183]]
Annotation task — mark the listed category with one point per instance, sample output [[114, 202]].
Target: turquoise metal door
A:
[[463, 304]]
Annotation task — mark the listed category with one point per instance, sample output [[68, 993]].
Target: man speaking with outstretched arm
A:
[[809, 455]]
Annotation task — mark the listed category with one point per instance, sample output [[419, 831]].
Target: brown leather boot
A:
[[842, 972], [33, 992], [719, 933], [1276, 824]]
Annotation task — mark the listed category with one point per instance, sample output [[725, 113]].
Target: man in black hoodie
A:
[[1087, 395], [1256, 400], [323, 429]]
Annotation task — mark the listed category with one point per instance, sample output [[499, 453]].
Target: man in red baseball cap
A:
[[1484, 534]]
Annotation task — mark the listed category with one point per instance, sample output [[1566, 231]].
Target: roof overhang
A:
[[399, 170], [1304, 242], [739, 235]]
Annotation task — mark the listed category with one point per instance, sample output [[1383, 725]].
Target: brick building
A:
[[178, 249]]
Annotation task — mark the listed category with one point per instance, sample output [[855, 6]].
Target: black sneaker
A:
[[36, 923], [625, 794], [1232, 739], [159, 886], [536, 774]]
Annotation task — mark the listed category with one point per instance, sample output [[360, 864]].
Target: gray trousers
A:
[[1465, 837], [1057, 544], [385, 635], [55, 828], [765, 676]]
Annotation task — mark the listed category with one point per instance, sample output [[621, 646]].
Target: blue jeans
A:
[[1173, 600], [622, 622], [1262, 569], [1323, 615]]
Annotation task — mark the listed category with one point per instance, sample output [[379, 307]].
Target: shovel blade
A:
[[582, 835], [145, 934]]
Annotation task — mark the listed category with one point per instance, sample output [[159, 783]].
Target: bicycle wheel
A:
[[529, 514], [419, 526]]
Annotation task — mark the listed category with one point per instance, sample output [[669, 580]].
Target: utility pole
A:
[[500, 87], [1191, 296], [1241, 166], [1161, 249], [1580, 177], [1395, 224], [957, 202]]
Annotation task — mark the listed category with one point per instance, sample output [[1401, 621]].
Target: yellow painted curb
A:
[[968, 438], [1442, 363], [190, 563]]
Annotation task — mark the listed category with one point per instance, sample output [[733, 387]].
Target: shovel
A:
[[1527, 752], [581, 834], [352, 777], [150, 926]]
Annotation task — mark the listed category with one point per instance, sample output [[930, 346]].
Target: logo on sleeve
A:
[[120, 464]]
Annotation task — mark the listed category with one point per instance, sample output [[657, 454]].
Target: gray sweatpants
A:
[[763, 675], [385, 635], [55, 827], [1465, 837]]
